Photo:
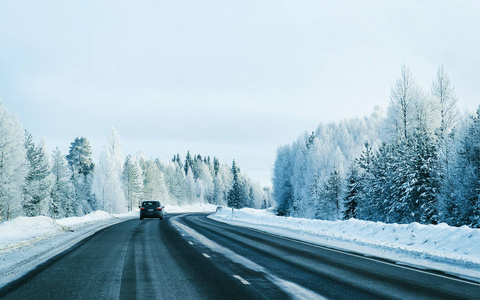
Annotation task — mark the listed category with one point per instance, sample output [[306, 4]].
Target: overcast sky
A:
[[232, 79]]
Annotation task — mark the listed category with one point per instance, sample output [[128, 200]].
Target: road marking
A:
[[183, 234], [206, 255], [294, 290], [190, 243], [242, 280]]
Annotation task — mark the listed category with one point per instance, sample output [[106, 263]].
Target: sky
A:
[[231, 79]]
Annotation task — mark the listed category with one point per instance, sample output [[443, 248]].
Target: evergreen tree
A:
[[188, 162], [216, 165], [353, 192], [332, 196], [80, 162], [132, 182], [62, 203], [235, 199], [39, 181], [154, 187]]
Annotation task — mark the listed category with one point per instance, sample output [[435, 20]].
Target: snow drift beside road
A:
[[25, 230], [442, 247]]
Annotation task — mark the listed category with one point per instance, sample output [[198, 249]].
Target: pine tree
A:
[[235, 199], [216, 165], [131, 182], [39, 181], [332, 196], [188, 162], [82, 167], [353, 192], [62, 191]]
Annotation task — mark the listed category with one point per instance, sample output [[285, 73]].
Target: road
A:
[[189, 256]]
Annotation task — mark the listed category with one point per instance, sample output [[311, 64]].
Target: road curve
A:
[[189, 256]]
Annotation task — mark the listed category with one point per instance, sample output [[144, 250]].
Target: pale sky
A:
[[232, 79]]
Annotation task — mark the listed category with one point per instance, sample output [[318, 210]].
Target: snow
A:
[[200, 207], [441, 247]]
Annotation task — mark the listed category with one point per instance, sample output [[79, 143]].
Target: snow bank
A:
[[449, 249], [199, 207], [27, 230]]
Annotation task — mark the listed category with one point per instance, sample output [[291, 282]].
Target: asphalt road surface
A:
[[189, 256]]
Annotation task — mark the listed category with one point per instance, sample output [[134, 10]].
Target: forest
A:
[[34, 182], [417, 162]]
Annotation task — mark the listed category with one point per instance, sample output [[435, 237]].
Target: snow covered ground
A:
[[449, 249], [27, 242]]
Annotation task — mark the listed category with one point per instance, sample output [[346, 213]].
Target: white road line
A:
[[242, 280], [183, 234], [190, 243], [206, 255], [294, 290]]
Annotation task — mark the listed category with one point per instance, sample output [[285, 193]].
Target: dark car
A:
[[151, 209]]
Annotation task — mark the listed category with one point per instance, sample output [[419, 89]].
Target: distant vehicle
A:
[[151, 209]]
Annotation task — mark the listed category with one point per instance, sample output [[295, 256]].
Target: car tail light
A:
[[159, 208], [142, 208]]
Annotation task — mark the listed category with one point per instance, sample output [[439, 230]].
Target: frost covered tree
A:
[[223, 182], [174, 180], [282, 180], [132, 182], [354, 191], [236, 194], [13, 165], [61, 204], [81, 164], [154, 187], [108, 187], [401, 110], [444, 93], [39, 180]]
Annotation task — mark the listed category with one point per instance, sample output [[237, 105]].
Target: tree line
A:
[[34, 182], [418, 162]]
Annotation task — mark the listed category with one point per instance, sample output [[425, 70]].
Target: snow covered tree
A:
[[174, 180], [223, 182], [282, 180], [154, 187], [61, 204], [132, 183], [401, 114], [236, 195], [80, 162], [444, 93], [188, 163], [108, 187], [353, 192], [13, 165], [39, 181], [330, 206]]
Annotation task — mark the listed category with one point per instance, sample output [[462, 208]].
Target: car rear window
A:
[[151, 203]]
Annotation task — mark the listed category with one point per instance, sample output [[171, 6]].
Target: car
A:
[[151, 209]]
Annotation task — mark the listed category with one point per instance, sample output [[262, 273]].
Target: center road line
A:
[[241, 280], [206, 255]]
